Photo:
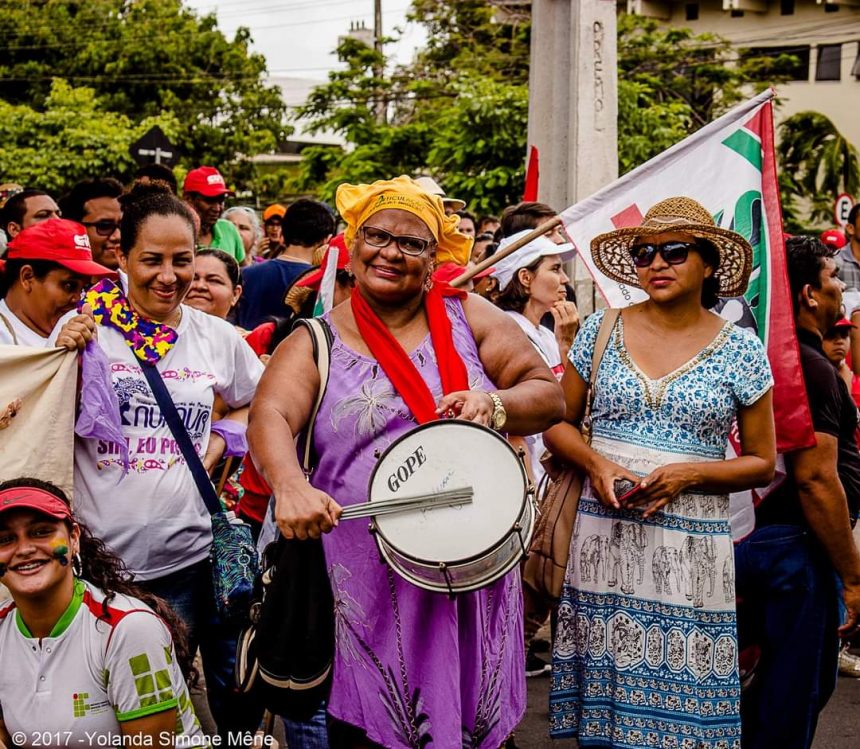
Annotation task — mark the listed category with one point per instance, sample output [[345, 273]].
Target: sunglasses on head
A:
[[674, 253], [104, 228]]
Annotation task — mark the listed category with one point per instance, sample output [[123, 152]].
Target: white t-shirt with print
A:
[[545, 343], [91, 673], [154, 517], [24, 336]]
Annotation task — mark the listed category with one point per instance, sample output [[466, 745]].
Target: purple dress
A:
[[413, 668]]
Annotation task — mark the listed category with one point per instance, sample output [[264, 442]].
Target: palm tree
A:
[[817, 163]]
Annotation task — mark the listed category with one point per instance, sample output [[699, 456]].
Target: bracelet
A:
[[233, 434]]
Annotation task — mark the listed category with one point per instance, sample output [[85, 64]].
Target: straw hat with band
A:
[[611, 251], [430, 185]]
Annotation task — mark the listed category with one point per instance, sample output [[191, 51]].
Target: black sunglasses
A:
[[673, 253], [104, 228]]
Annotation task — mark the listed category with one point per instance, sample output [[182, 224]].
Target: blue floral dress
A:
[[645, 653]]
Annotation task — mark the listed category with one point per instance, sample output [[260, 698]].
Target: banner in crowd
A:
[[729, 167], [37, 413]]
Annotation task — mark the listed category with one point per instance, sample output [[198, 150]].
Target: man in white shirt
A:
[[47, 267]]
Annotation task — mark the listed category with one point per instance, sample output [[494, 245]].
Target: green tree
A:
[[817, 163], [471, 78], [459, 111], [144, 58], [671, 82], [480, 152], [75, 137]]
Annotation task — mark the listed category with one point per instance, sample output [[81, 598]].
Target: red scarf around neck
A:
[[396, 363]]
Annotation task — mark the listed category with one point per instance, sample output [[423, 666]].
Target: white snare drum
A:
[[459, 548]]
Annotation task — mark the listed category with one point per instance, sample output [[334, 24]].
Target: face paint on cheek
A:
[[60, 552]]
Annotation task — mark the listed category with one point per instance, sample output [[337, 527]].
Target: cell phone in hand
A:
[[625, 489]]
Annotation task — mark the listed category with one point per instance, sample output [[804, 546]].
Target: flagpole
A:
[[538, 231]]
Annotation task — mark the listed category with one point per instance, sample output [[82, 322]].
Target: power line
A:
[[21, 32]]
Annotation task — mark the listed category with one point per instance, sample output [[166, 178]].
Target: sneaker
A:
[[536, 666], [849, 664]]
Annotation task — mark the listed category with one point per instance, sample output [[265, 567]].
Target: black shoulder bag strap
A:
[[321, 338], [180, 434]]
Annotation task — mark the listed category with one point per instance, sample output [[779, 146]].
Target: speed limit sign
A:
[[841, 208]]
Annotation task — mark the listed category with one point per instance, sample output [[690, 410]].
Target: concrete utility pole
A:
[[381, 113], [573, 105]]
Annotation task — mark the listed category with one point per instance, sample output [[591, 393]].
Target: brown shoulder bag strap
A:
[[607, 324]]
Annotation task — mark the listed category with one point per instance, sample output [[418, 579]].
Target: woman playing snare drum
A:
[[412, 668]]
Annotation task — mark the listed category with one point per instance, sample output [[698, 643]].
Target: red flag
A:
[[530, 192], [790, 407]]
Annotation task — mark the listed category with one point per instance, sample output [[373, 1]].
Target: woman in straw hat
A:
[[412, 668], [646, 645]]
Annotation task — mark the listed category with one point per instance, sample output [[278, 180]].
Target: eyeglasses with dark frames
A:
[[408, 245], [674, 253]]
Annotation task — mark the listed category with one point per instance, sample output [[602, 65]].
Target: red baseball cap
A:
[[206, 181], [62, 242], [313, 279], [31, 498], [834, 238], [844, 323]]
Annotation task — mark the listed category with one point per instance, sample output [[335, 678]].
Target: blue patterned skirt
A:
[[645, 651]]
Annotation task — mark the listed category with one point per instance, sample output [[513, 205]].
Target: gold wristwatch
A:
[[500, 416]]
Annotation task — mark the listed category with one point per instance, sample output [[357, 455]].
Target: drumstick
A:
[[452, 498], [538, 231]]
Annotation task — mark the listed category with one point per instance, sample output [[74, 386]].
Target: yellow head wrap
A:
[[357, 203]]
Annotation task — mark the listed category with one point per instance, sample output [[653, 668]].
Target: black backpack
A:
[[284, 655]]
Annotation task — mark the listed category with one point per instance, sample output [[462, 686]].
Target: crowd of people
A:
[[671, 630]]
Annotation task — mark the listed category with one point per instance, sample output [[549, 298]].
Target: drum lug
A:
[[373, 529], [443, 568], [518, 528], [521, 454]]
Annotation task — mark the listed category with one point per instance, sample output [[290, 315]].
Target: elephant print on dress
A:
[[699, 558], [626, 550], [593, 558], [666, 565]]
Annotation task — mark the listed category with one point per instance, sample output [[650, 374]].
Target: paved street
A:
[[839, 728]]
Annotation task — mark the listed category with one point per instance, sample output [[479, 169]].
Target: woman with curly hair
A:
[[85, 652]]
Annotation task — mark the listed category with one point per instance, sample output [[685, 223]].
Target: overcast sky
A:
[[298, 37]]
